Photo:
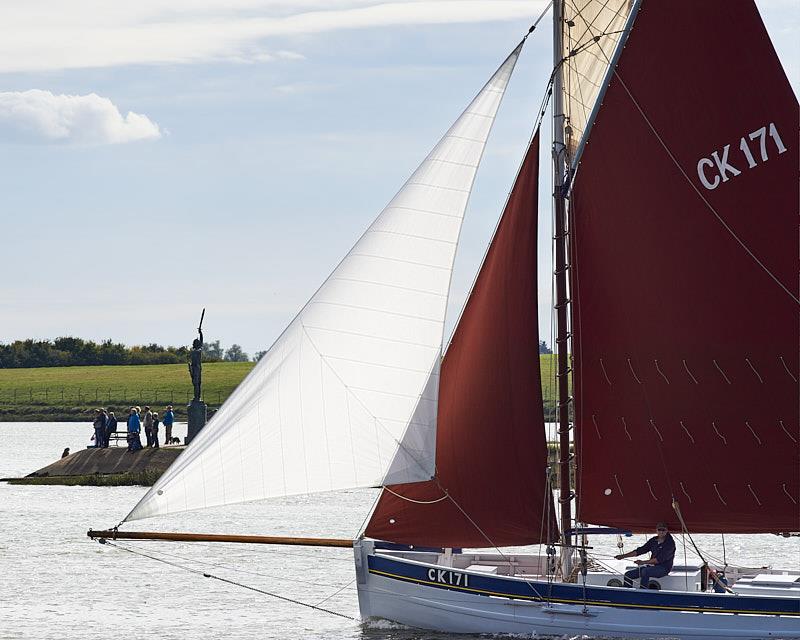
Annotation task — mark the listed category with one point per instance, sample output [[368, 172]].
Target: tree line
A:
[[69, 352]]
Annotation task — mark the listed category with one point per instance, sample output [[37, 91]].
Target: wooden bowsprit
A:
[[113, 534]]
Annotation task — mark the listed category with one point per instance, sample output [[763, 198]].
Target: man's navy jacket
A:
[[663, 552]]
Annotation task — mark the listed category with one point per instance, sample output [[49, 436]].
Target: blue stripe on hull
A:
[[591, 595]]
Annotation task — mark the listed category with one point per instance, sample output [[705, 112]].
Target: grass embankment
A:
[[70, 393], [141, 478]]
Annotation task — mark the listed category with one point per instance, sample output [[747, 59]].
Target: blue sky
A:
[[265, 136]]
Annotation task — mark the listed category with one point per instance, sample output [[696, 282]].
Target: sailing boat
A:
[[675, 154]]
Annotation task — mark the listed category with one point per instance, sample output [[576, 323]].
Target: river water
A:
[[57, 584]]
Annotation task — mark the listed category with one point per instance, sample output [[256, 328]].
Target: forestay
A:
[[347, 395]]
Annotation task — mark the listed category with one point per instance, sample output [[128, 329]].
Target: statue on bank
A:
[[196, 359], [197, 413]]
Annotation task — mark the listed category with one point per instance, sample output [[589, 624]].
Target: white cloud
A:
[[41, 35], [42, 116]]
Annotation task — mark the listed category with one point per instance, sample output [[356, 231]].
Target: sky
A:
[[157, 158]]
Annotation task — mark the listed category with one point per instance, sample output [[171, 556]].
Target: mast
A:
[[560, 273]]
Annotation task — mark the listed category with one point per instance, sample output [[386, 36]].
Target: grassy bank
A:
[[70, 393], [142, 478]]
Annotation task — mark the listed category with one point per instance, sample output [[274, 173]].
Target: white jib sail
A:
[[347, 395]]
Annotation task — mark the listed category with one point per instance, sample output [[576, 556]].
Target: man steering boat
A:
[[662, 553]]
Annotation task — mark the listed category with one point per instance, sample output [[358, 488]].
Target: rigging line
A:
[[710, 207], [685, 562], [593, 40], [279, 597], [590, 23], [724, 554], [487, 538], [397, 495], [311, 556], [362, 528], [677, 508], [336, 593], [539, 19], [232, 582], [237, 570]]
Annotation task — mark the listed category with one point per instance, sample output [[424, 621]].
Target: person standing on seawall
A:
[[168, 418], [111, 426], [99, 425], [134, 427], [154, 431], [148, 426]]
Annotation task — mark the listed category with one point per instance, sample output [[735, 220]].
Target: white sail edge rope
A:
[[347, 395]]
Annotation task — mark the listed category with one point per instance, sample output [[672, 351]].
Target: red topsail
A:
[[685, 280], [490, 448]]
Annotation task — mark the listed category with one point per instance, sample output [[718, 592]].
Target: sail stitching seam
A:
[[437, 186], [386, 284], [374, 364], [469, 165], [363, 308], [479, 115], [387, 393], [372, 337], [411, 235], [415, 263], [427, 211], [467, 138]]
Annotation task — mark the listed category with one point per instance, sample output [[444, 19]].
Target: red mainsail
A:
[[684, 245], [490, 446]]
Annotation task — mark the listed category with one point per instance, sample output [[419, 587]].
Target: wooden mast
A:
[[560, 166]]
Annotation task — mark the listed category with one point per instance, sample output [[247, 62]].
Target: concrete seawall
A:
[[111, 466], [111, 460]]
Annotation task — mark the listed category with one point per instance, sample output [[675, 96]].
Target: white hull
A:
[[429, 606]]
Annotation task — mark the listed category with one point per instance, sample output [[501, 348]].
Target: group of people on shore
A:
[[105, 423]]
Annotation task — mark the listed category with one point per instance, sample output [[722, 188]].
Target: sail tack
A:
[[490, 444], [347, 395], [684, 274]]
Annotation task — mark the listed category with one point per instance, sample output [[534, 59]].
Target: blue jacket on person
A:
[[134, 424], [168, 418]]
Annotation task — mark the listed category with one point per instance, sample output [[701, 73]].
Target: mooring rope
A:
[[232, 582]]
